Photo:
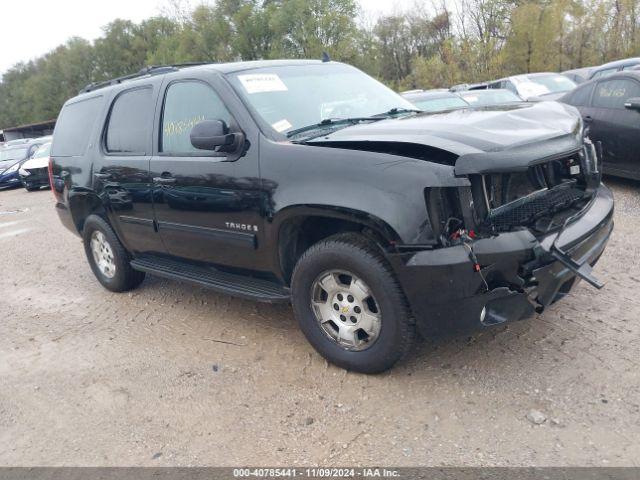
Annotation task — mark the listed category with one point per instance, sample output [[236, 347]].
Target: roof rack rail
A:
[[150, 70]]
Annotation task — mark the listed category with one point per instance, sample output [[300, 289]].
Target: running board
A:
[[209, 277]]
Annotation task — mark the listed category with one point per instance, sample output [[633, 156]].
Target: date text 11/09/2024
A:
[[315, 473]]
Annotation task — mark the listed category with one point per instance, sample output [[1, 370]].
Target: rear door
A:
[[121, 172], [208, 205], [615, 126]]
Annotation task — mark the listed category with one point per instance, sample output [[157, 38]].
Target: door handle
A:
[[164, 180], [588, 118]]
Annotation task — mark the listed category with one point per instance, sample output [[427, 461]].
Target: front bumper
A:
[[9, 180], [522, 276], [37, 177]]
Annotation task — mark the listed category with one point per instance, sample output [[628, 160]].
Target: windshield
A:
[[531, 85], [291, 97], [439, 104], [43, 151], [480, 98], [13, 154]]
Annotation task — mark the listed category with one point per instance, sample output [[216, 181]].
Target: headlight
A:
[[23, 172], [12, 168]]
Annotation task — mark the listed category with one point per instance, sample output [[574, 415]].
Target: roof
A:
[[619, 63], [223, 68]]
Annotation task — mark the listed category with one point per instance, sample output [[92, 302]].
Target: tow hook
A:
[[583, 271]]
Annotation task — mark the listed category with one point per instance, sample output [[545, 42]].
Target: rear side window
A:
[[130, 122], [186, 104], [614, 93], [581, 96], [74, 127]]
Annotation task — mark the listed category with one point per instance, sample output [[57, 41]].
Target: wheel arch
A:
[[297, 228]]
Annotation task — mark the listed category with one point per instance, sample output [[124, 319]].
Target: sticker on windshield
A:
[[281, 126], [262, 82]]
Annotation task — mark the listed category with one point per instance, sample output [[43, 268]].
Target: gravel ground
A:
[[171, 374]]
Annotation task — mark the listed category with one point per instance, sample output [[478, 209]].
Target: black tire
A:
[[31, 188], [125, 277], [354, 253]]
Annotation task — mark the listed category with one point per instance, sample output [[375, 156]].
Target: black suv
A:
[[312, 183]]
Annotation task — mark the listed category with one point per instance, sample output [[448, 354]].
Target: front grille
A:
[[538, 196], [525, 211]]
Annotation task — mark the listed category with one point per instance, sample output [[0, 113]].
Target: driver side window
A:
[[186, 104]]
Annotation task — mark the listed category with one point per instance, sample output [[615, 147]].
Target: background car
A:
[[536, 86], [610, 107], [579, 75], [34, 173], [613, 67], [483, 98], [13, 155], [439, 100]]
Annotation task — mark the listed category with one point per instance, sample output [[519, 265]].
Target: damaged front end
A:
[[513, 242]]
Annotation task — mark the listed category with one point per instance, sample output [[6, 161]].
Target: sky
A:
[[42, 25]]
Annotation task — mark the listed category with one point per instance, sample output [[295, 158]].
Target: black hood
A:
[[489, 139]]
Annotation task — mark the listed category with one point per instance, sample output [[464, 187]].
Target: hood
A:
[[477, 140], [36, 163], [8, 163]]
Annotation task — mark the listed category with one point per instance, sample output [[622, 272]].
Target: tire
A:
[[31, 188], [361, 267], [115, 275]]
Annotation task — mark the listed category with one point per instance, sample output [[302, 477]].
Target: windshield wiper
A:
[[396, 111], [331, 122]]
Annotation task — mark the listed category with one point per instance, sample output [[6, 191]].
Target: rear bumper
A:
[[445, 293], [65, 217]]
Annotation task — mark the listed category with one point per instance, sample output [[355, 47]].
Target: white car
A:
[[536, 86], [34, 173]]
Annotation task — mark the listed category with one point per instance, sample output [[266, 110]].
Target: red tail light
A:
[[51, 182]]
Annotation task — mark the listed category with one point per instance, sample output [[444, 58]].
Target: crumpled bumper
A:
[[522, 275]]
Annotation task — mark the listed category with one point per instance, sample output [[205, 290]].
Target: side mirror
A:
[[633, 104], [211, 134]]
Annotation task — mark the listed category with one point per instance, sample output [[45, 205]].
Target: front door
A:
[[207, 205], [615, 126], [121, 172]]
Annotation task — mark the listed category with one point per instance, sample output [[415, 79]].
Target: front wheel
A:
[[107, 257], [350, 306]]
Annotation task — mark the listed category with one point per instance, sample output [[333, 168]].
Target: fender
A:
[[389, 188]]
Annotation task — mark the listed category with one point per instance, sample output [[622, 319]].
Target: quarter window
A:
[[130, 122], [614, 93], [185, 105]]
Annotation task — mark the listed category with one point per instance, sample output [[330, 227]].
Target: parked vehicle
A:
[[462, 87], [536, 86], [435, 100], [610, 107], [312, 183], [613, 67], [579, 75], [34, 173], [494, 96], [13, 155]]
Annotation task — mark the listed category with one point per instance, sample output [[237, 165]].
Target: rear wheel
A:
[[350, 306], [107, 257]]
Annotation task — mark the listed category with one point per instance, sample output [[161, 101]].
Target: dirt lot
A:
[[176, 375]]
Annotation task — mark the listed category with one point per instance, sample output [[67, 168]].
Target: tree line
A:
[[430, 45]]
